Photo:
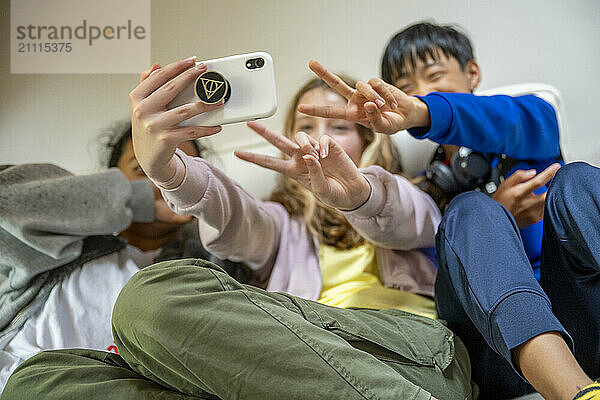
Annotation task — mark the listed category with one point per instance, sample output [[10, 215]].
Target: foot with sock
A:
[[590, 392]]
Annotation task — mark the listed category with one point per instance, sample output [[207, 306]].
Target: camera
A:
[[255, 63]]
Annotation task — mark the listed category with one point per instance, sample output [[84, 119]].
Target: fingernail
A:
[[394, 105], [200, 66], [369, 110], [380, 103], [306, 157], [531, 172], [192, 58], [323, 153]]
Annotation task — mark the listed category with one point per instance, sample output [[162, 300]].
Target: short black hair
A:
[[117, 138], [420, 41], [117, 146]]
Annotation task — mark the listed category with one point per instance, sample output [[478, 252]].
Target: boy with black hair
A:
[[488, 291], [426, 58]]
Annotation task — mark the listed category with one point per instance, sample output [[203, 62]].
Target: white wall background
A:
[[56, 118]]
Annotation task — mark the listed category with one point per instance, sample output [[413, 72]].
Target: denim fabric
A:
[[571, 256], [487, 291]]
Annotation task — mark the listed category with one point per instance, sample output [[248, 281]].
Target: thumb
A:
[[318, 182], [336, 152]]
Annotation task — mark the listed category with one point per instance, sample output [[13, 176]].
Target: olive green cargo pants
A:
[[185, 329]]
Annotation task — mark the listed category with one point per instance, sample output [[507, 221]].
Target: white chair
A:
[[415, 154]]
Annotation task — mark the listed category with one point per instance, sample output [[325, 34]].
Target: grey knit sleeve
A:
[[48, 211]]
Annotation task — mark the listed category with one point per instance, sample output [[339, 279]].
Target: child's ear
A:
[[473, 74]]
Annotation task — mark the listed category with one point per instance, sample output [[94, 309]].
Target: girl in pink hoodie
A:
[[330, 246]]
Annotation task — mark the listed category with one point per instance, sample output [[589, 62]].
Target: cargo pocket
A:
[[355, 343], [389, 335]]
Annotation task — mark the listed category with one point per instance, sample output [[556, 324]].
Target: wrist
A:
[[174, 173], [421, 117], [363, 193]]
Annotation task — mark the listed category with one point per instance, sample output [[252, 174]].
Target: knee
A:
[[576, 171], [470, 208], [153, 294], [471, 204], [472, 219], [24, 382], [574, 182], [464, 210], [136, 297]]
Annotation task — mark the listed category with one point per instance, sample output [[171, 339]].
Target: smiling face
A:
[[439, 74], [345, 133]]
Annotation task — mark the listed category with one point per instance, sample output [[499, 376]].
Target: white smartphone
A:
[[249, 90]]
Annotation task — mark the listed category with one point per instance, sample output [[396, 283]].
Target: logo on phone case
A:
[[212, 87]]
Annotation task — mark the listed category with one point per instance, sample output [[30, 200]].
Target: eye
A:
[[304, 127], [435, 76], [405, 88], [341, 127], [138, 170]]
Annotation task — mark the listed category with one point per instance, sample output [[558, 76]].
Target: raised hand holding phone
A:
[[155, 130]]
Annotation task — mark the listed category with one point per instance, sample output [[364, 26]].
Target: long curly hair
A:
[[326, 223]]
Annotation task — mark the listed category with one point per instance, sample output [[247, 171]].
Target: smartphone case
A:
[[253, 93]]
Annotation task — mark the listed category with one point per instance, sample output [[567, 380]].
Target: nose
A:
[[321, 129], [422, 89]]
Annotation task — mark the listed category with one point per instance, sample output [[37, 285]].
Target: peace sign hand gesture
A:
[[322, 167], [376, 104]]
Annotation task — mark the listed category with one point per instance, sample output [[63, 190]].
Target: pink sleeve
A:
[[233, 224], [397, 215]]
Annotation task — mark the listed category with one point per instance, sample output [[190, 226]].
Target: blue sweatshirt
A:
[[523, 128]]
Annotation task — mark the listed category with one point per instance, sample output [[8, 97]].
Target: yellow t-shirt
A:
[[351, 280]]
